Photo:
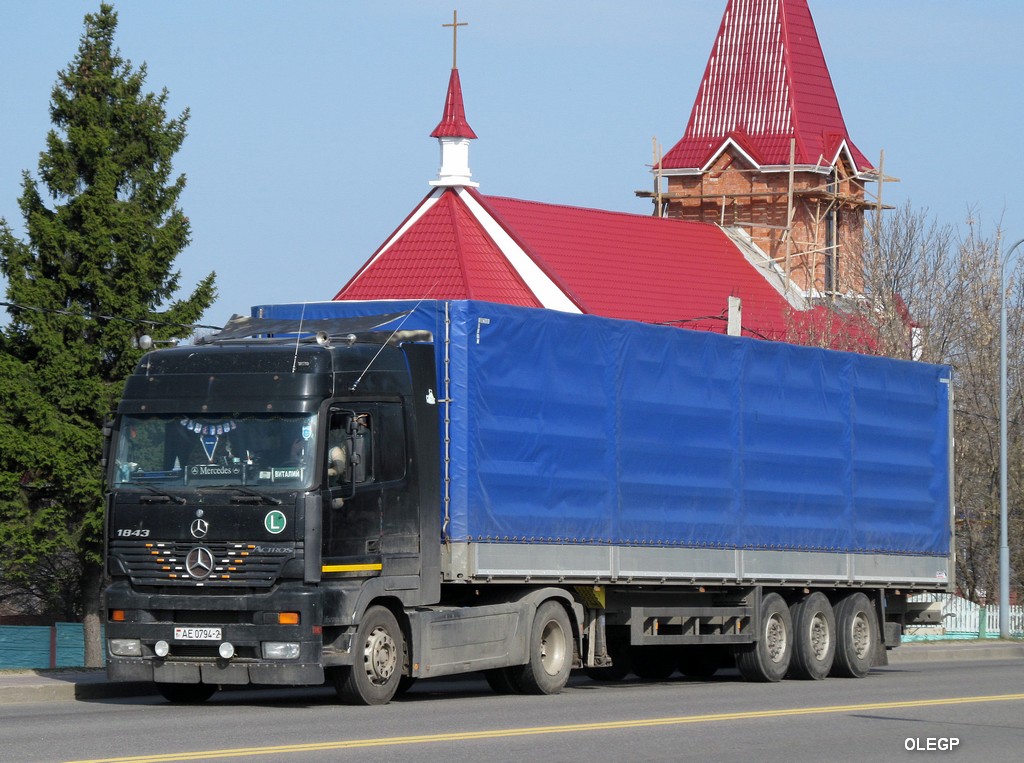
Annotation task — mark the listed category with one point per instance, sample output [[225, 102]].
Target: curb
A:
[[909, 654]]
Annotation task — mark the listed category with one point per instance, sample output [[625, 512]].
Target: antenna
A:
[[298, 335], [384, 344], [379, 351]]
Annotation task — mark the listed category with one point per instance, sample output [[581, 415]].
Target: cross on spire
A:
[[455, 35]]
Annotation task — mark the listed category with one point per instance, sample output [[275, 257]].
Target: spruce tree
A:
[[95, 272]]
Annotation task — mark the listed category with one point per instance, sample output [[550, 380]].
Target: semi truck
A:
[[371, 493]]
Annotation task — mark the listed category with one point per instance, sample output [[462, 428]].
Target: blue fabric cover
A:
[[579, 429]]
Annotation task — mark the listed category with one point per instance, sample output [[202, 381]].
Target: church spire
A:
[[767, 152], [766, 83], [453, 132]]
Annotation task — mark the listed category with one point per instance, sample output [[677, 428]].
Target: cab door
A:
[[352, 501]]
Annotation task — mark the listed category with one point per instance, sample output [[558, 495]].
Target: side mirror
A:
[[108, 431]]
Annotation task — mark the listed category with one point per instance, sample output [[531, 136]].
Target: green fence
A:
[[29, 646]]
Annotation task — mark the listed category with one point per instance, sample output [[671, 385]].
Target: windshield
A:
[[210, 451]]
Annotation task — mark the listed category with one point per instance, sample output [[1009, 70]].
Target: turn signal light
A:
[[117, 615], [288, 618]]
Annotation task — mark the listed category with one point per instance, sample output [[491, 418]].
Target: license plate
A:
[[197, 634]]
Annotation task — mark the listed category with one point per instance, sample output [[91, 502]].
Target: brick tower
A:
[[766, 150]]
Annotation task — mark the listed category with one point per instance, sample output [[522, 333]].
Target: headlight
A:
[[280, 650], [125, 647]]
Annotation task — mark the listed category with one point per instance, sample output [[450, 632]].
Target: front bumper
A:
[[244, 621]]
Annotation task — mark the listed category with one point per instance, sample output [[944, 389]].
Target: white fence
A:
[[961, 617]]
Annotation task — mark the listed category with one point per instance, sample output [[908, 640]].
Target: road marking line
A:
[[463, 736]]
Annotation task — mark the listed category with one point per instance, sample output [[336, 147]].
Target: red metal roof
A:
[[613, 264], [444, 254], [453, 122], [643, 268], [766, 82]]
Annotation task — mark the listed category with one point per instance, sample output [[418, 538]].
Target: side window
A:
[[350, 448], [367, 445]]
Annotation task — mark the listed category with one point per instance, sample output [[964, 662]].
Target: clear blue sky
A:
[[308, 142]]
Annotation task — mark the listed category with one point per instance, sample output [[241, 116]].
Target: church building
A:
[[766, 143]]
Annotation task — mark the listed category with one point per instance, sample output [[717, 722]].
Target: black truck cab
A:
[[260, 491]]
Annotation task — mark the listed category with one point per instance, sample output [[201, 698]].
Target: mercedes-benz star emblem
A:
[[199, 528], [199, 562]]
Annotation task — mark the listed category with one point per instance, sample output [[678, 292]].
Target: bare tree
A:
[[932, 293]]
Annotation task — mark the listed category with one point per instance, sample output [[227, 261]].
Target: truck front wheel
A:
[[768, 658], [374, 677], [550, 652]]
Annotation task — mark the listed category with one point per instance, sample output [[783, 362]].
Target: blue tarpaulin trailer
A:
[[622, 450], [376, 492]]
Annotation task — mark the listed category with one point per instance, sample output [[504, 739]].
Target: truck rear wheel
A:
[[814, 637], [186, 694], [374, 678], [550, 652], [768, 658], [857, 629]]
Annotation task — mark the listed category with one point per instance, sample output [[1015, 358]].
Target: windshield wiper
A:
[[263, 497], [159, 496]]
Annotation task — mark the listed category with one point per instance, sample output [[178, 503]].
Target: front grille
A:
[[234, 564]]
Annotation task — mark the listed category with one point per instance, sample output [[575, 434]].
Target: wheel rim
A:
[[776, 638], [380, 656], [860, 635], [552, 647], [820, 636]]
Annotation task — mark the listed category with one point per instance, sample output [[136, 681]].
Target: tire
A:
[[374, 678], [186, 694], [814, 637], [550, 652], [654, 663], [699, 661], [502, 680], [767, 659], [857, 636]]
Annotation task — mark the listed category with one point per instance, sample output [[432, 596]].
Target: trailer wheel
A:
[[814, 637], [550, 652], [654, 663], [374, 678], [186, 694], [768, 658], [857, 629]]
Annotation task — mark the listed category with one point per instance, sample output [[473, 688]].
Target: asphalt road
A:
[[900, 712]]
